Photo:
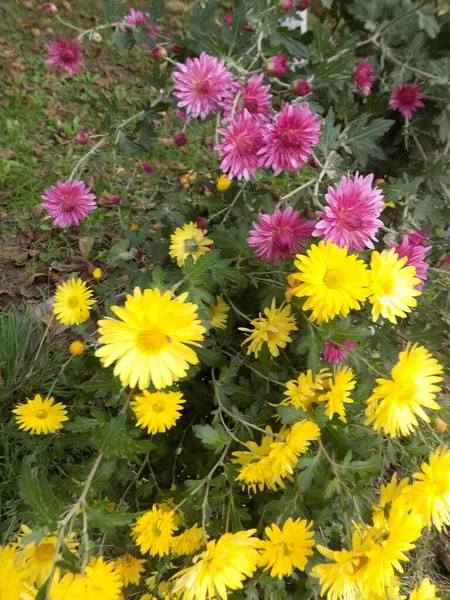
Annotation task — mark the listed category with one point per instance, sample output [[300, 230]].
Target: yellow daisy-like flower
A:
[[188, 542], [292, 283], [255, 463], [157, 411], [129, 569], [223, 566], [393, 497], [153, 531], [73, 302], [305, 390], [391, 286], [101, 581], [338, 394], [167, 506], [223, 183], [150, 343], [186, 241], [396, 403], [219, 313], [287, 548], [12, 576], [425, 591], [273, 329], [38, 416], [66, 587]]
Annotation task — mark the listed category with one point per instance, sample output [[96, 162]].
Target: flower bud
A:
[[180, 139], [303, 4], [96, 37], [134, 227], [201, 222], [440, 425], [286, 5], [159, 52], [277, 65], [301, 88], [97, 273], [223, 183], [82, 137], [49, 8], [120, 172], [148, 168], [114, 200], [76, 348], [176, 48]]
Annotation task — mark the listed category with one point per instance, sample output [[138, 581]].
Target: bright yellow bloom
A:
[[76, 348], [157, 411], [100, 582], [255, 464], [333, 282], [97, 273], [186, 241], [425, 591], [66, 587], [273, 329], [188, 542], [393, 498], [305, 390], [129, 569], [291, 285], [148, 597], [338, 394], [153, 531], [223, 566], [287, 548], [223, 183], [167, 505], [396, 403], [73, 302], [12, 576], [38, 416], [219, 313], [188, 178], [391, 286], [151, 340]]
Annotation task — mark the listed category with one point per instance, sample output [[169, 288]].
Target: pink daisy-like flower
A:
[[406, 98], [351, 218], [65, 55], [137, 17], [288, 141], [68, 202], [336, 354], [202, 84], [415, 254], [277, 65], [418, 237], [280, 235], [228, 18], [240, 145], [254, 96], [363, 77]]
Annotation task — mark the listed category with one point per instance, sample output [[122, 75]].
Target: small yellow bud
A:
[[440, 425], [134, 227], [223, 183], [76, 348], [97, 273]]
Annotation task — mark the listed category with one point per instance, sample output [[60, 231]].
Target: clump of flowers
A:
[[65, 55], [186, 241], [68, 202], [254, 96], [188, 542], [306, 389], [407, 98]]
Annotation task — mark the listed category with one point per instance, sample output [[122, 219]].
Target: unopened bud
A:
[[49, 8], [82, 137], [180, 139], [159, 53], [96, 37], [201, 222]]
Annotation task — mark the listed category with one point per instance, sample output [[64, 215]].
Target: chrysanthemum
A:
[[288, 141], [100, 580], [351, 218], [280, 235], [338, 394], [393, 499], [335, 353], [67, 587], [167, 506], [406, 98], [153, 531], [425, 591], [392, 284], [333, 282], [138, 17], [363, 77], [273, 329], [68, 202], [239, 147], [188, 542], [415, 254], [223, 183], [129, 568], [38, 416], [396, 403], [223, 566], [219, 313], [158, 411], [288, 548], [306, 389], [150, 341], [65, 55], [13, 577], [186, 241], [255, 464], [418, 237], [254, 97], [201, 85], [228, 18], [73, 301]]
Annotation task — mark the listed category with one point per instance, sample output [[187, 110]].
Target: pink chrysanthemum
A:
[[65, 55], [277, 65], [407, 98], [228, 18], [202, 84], [351, 218], [68, 202], [240, 145], [288, 141], [415, 254], [280, 235], [418, 237], [363, 77], [137, 17], [254, 96], [336, 354]]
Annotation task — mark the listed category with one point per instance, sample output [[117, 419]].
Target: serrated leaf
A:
[[100, 518], [308, 465], [197, 271], [202, 17], [110, 438], [123, 39], [213, 438], [285, 37], [130, 147], [330, 134], [336, 70], [362, 136], [223, 271], [36, 492]]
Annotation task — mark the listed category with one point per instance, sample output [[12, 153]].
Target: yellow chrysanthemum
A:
[[12, 576], [150, 343], [73, 302], [129, 569], [38, 416], [188, 542], [305, 390], [273, 329], [287, 548], [391, 286], [333, 282], [396, 403], [157, 411], [76, 348], [223, 183], [425, 591], [100, 582], [167, 505], [254, 463], [223, 566], [393, 498], [292, 283], [186, 241], [153, 531], [340, 386], [219, 313], [188, 178], [66, 587]]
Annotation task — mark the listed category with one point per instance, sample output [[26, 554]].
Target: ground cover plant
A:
[[224, 331]]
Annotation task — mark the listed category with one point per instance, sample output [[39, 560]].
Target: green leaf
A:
[[111, 438], [100, 518], [428, 23], [123, 39], [371, 466], [336, 70], [36, 492], [213, 438], [361, 138], [331, 133], [196, 272], [121, 251], [322, 40], [202, 17], [308, 464], [130, 147], [223, 271], [285, 37]]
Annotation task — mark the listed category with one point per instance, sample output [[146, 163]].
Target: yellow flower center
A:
[[387, 285], [128, 560], [156, 531], [73, 302], [45, 552], [159, 406], [272, 335], [190, 245], [42, 414], [334, 278], [287, 549], [151, 340]]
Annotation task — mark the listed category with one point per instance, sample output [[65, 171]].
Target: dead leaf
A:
[[177, 166], [7, 153], [83, 245]]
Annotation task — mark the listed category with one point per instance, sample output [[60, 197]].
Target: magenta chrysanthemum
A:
[[254, 97], [351, 218], [363, 77], [280, 235], [415, 254], [65, 55], [418, 237], [202, 84], [407, 99], [137, 17], [240, 145], [68, 202], [288, 141], [336, 354]]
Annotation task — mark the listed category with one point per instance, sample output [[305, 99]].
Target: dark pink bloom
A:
[[418, 237], [201, 85], [228, 18], [351, 218], [336, 354], [363, 77], [312, 162], [286, 5], [181, 114], [280, 235], [303, 4], [407, 98], [82, 137], [415, 254], [148, 168], [288, 141], [445, 261], [114, 200], [201, 222], [49, 8], [137, 17], [301, 88], [159, 52], [68, 202], [254, 96], [176, 48], [180, 139], [277, 65], [65, 55]]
